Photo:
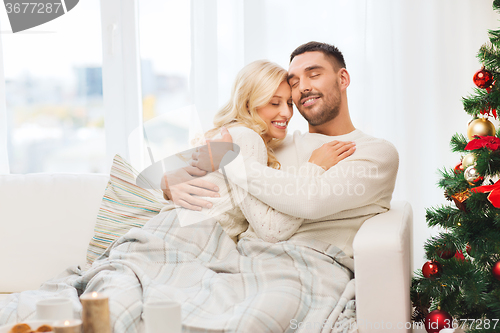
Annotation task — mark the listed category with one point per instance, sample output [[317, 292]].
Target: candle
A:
[[95, 313], [68, 326]]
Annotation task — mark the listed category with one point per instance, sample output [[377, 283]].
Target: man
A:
[[334, 203]]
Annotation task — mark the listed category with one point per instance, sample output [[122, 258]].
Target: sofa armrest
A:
[[382, 262]]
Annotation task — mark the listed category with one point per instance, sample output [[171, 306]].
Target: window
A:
[[53, 82], [165, 51]]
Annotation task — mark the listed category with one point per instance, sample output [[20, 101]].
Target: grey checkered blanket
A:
[[252, 286]]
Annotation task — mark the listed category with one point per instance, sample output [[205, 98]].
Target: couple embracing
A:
[[321, 185]]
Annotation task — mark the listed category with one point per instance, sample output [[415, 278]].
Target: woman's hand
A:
[[331, 153], [182, 186], [208, 157]]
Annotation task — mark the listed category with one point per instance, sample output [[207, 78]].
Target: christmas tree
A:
[[459, 285]]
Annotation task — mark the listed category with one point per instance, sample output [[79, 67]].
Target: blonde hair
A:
[[253, 88]]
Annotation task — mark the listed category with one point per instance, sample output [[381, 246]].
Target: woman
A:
[[257, 116]]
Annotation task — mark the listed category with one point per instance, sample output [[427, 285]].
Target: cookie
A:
[[20, 328], [44, 328]]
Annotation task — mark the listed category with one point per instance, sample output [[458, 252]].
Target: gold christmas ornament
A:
[[480, 126], [471, 175], [468, 160]]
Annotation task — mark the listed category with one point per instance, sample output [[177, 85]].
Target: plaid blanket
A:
[[252, 286]]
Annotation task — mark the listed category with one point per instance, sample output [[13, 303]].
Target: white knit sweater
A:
[[333, 204], [240, 213]]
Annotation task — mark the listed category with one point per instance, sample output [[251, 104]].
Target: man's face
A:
[[315, 87]]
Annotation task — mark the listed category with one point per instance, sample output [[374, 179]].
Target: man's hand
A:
[[180, 186], [218, 148]]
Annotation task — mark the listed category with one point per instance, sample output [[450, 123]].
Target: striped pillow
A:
[[124, 206]]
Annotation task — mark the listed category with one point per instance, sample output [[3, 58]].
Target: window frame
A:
[[121, 76], [4, 154]]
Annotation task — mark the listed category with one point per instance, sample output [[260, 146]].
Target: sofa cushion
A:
[[124, 206]]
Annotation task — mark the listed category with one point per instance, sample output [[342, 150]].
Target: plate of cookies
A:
[[33, 326]]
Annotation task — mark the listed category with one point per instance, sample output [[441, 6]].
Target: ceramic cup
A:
[[162, 317], [54, 309]]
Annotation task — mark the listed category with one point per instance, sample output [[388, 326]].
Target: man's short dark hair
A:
[[328, 50]]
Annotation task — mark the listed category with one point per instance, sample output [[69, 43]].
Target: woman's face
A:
[[277, 113]]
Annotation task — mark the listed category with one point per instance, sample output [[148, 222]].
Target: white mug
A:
[[162, 317], [54, 309]]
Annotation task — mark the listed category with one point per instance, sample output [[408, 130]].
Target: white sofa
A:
[[47, 220]]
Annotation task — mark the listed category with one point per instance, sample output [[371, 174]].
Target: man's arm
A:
[[312, 193]]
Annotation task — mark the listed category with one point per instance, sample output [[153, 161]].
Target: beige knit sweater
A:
[[333, 204], [240, 213]]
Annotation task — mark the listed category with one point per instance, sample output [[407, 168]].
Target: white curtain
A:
[[410, 62], [4, 157]]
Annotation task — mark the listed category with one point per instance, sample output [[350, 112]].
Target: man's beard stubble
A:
[[329, 111]]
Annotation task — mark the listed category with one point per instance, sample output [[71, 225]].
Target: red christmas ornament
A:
[[432, 269], [446, 253], [437, 320], [459, 168], [459, 255], [483, 78], [496, 270]]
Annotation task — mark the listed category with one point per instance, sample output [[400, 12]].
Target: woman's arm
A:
[[269, 224]]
